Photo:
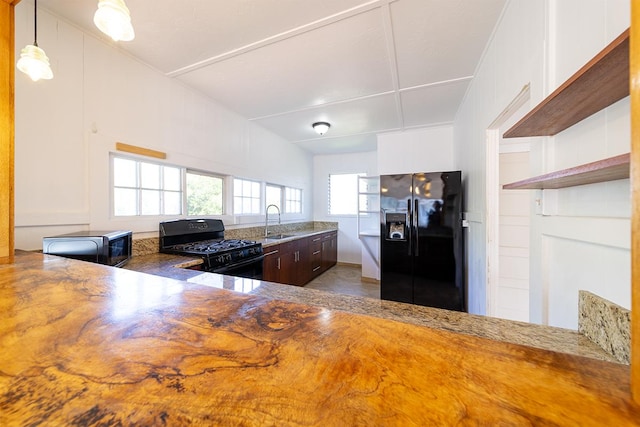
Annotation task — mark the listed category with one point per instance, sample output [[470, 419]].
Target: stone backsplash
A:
[[145, 245], [605, 323]]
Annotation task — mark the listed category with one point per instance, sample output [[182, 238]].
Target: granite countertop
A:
[[288, 233], [543, 337], [86, 344]]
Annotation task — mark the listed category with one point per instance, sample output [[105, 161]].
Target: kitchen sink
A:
[[278, 236]]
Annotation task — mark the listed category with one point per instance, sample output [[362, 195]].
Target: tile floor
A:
[[345, 279]]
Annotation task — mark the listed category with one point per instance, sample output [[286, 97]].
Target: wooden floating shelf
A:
[[601, 82], [610, 169]]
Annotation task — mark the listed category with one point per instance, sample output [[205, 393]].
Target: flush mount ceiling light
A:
[[33, 61], [321, 127], [113, 19]]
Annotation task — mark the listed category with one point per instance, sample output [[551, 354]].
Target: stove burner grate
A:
[[213, 246]]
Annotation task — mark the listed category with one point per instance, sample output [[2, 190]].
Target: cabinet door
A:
[[289, 261], [329, 250], [333, 249], [297, 262], [271, 264], [288, 265], [303, 267]]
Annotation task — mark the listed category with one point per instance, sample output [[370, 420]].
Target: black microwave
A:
[[102, 247]]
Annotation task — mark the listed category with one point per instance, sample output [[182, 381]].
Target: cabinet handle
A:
[[317, 268], [316, 239], [278, 263], [316, 252], [271, 253]]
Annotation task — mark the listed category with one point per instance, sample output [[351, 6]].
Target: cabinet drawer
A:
[[329, 235], [291, 246], [315, 255]]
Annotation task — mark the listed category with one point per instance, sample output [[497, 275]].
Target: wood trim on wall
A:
[[121, 146], [7, 130], [634, 82]]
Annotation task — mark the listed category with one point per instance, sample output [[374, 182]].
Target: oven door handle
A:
[[253, 260]]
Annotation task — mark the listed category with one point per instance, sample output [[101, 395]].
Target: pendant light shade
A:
[[321, 127], [33, 61], [113, 19]]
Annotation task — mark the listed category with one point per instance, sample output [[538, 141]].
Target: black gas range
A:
[[205, 238]]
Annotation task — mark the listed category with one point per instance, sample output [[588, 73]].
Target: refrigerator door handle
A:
[[415, 227], [409, 226]]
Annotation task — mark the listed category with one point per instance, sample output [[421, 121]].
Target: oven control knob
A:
[[222, 259]]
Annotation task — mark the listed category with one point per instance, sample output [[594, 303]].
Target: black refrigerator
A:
[[421, 239]]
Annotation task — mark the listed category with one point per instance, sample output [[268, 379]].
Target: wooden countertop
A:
[[539, 336], [93, 345]]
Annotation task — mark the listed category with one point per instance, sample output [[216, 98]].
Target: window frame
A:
[[260, 198], [298, 201], [185, 201], [356, 175], [139, 188], [148, 222], [281, 201]]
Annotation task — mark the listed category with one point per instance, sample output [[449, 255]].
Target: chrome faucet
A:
[[266, 219]]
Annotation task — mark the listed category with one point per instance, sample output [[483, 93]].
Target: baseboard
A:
[[369, 280], [349, 264]]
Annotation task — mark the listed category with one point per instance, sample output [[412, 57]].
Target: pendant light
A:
[[33, 61], [321, 127], [113, 19]]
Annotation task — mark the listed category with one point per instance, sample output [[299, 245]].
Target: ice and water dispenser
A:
[[395, 226]]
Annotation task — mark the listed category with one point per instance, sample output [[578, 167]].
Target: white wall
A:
[[349, 246], [584, 242], [66, 128], [413, 151]]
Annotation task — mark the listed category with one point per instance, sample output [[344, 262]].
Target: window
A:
[[204, 194], [343, 194], [273, 196], [246, 197], [142, 188], [292, 200]]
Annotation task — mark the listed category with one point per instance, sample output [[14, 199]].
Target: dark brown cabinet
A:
[[315, 255], [271, 264], [329, 250], [298, 261], [294, 262]]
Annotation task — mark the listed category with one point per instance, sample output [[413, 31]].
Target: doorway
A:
[[507, 217], [512, 296]]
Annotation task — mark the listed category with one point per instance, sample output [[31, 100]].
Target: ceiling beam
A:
[[354, 11]]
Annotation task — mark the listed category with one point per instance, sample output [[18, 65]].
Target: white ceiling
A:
[[366, 67]]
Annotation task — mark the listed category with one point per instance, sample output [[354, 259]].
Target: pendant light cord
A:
[[35, 23]]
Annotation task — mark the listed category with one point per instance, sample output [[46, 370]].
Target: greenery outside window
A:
[[204, 194]]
